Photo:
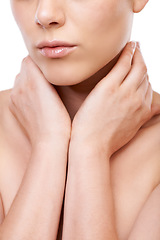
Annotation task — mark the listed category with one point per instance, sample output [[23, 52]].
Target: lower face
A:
[[98, 28]]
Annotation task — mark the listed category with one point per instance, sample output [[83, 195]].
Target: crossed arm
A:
[[89, 206], [88, 209]]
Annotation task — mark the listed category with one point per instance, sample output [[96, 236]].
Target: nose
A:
[[50, 13]]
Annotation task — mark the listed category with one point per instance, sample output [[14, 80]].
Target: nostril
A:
[[37, 21], [45, 20], [53, 23]]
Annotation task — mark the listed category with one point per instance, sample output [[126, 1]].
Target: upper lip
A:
[[54, 43]]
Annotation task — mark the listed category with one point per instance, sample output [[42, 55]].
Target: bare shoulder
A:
[[7, 120], [149, 134], [135, 168], [14, 152], [10, 129], [149, 218], [4, 97], [3, 109], [142, 154], [13, 141], [5, 123], [147, 139]]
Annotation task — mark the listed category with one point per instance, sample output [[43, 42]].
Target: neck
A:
[[74, 95]]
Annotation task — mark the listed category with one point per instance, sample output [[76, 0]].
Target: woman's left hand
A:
[[117, 107]]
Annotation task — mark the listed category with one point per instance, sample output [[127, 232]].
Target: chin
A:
[[63, 79], [71, 75], [68, 73]]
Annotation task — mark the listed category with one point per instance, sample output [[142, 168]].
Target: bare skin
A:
[[122, 165], [34, 143], [127, 166]]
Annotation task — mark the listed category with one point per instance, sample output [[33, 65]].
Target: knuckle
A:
[[26, 61], [125, 64], [17, 78], [143, 68], [128, 95], [139, 101], [20, 91], [107, 87], [110, 90]]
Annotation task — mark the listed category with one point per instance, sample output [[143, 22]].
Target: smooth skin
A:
[[49, 144], [89, 202], [103, 134]]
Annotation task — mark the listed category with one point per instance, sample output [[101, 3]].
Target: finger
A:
[[16, 80], [32, 75], [149, 95], [123, 65], [143, 88], [148, 103], [28, 65], [137, 72], [145, 109]]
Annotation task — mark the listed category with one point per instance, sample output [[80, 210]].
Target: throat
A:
[[74, 95]]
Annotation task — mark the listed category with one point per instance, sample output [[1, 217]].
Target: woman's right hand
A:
[[117, 107], [37, 106]]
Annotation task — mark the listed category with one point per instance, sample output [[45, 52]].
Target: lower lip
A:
[[56, 52]]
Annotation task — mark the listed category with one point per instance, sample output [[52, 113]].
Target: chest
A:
[[134, 174]]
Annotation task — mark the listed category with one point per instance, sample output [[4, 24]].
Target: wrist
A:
[[51, 144], [50, 137], [80, 149], [82, 141]]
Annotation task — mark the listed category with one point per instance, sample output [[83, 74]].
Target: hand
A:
[[37, 106], [117, 107]]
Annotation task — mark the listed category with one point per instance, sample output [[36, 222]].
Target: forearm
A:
[[35, 211], [88, 209]]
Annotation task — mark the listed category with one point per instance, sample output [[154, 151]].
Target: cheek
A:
[[109, 26], [17, 10], [99, 16], [23, 15], [107, 17]]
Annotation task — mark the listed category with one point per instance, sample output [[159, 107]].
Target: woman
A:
[[80, 128]]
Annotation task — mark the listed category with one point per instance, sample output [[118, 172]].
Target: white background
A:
[[146, 29]]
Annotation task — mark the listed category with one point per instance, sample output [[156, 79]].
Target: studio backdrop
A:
[[146, 30]]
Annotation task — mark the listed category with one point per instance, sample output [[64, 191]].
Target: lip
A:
[[54, 43], [55, 48]]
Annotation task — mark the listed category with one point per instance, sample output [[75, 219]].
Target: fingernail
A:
[[138, 45], [133, 45]]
